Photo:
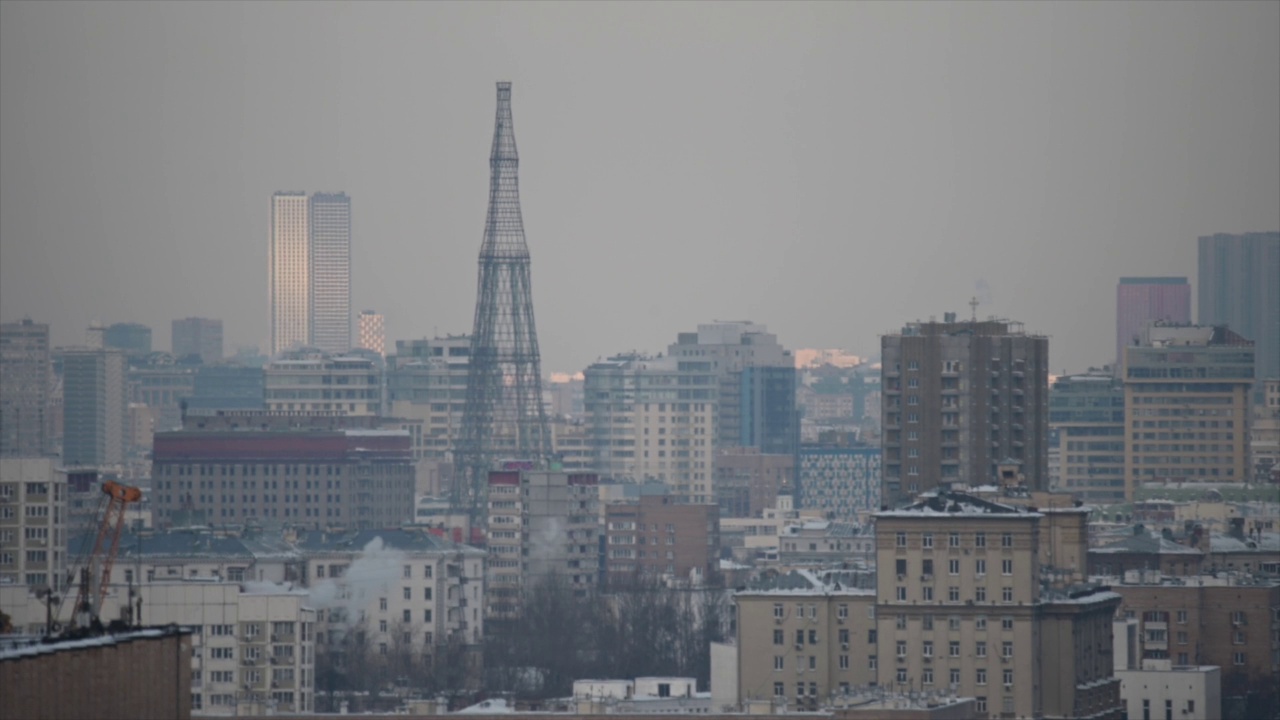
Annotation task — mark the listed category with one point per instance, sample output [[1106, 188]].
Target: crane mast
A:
[[96, 575]]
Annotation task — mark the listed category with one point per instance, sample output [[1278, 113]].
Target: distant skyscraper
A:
[[504, 414], [1240, 287], [198, 336], [289, 274], [962, 400], [1140, 300], [133, 338], [373, 332], [330, 229], [95, 407], [24, 388]]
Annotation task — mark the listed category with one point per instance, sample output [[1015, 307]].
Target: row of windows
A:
[[954, 540]]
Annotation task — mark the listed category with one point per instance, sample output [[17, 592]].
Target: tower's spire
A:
[[503, 417]]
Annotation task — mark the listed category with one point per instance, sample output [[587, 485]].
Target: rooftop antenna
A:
[[973, 305]]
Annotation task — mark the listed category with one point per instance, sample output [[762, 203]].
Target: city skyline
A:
[[1039, 177]]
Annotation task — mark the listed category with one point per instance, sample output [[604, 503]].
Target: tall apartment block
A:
[[843, 481], [960, 399], [1186, 399], [540, 523], [653, 537], [1238, 288], [33, 517], [197, 336], [1086, 415], [24, 389], [373, 332], [94, 407], [654, 419], [427, 380], [960, 603], [289, 271], [1140, 300], [755, 397], [330, 228]]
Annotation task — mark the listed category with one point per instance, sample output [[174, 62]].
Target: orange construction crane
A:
[[94, 579]]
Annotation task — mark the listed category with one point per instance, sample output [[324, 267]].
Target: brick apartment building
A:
[[654, 537]]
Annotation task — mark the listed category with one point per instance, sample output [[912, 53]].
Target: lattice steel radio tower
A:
[[503, 417]]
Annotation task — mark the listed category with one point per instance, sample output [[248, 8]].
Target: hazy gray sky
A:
[[831, 169]]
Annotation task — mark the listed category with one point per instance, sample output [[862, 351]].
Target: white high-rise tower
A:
[[289, 271]]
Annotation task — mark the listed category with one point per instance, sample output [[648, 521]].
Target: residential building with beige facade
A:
[[964, 601], [654, 419], [1186, 399], [33, 522], [314, 381], [804, 638]]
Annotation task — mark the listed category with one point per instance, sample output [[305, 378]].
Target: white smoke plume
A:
[[369, 577]]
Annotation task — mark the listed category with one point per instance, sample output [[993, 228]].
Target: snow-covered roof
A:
[[42, 648], [1146, 544], [951, 504]]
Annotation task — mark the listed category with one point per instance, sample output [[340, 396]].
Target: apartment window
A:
[[1238, 617], [1182, 617], [779, 689], [1182, 637], [426, 571], [1006, 622], [928, 648], [844, 662], [407, 617], [779, 662], [1006, 594], [408, 571], [901, 622], [902, 675], [953, 594], [813, 637], [954, 676], [871, 636], [981, 705], [953, 540], [980, 622], [426, 615], [927, 622], [382, 626], [382, 604], [926, 540], [800, 637], [842, 611], [1006, 649], [901, 540], [901, 593], [1146, 709], [980, 566], [1006, 540], [408, 593], [953, 648], [982, 676], [980, 594], [1006, 566], [779, 638], [1237, 658], [1237, 638], [928, 593], [980, 540], [953, 623], [902, 648], [813, 662], [926, 676], [777, 610], [426, 593], [980, 649], [953, 566], [1008, 677], [871, 662]]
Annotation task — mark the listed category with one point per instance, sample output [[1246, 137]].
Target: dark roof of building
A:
[[392, 538], [174, 543], [1147, 544]]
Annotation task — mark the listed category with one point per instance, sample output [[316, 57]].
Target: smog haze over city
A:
[[830, 169], [890, 361]]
